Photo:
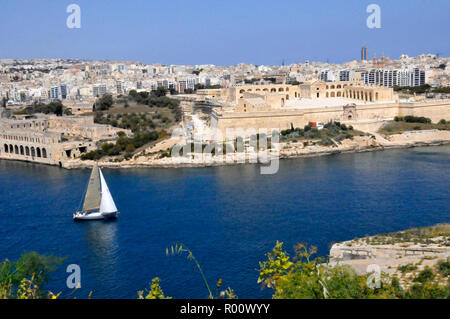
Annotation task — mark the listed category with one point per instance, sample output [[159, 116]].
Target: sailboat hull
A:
[[94, 216]]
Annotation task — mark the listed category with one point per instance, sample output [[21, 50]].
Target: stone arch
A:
[[338, 86], [265, 90], [16, 149], [242, 91], [38, 152], [6, 147], [295, 94], [327, 95], [332, 94], [273, 90], [370, 97], [280, 90], [376, 96], [328, 87], [27, 151], [33, 151], [44, 153], [11, 148], [22, 151], [287, 89], [332, 87], [338, 93]]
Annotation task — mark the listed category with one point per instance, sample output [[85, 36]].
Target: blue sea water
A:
[[228, 216]]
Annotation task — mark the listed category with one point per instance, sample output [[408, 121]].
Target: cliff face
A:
[[402, 254]]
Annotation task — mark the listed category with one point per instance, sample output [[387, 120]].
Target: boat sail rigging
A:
[[98, 202]]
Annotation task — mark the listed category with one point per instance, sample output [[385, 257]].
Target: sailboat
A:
[[98, 202]]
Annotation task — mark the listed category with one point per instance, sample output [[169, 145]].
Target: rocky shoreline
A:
[[287, 150], [402, 254]]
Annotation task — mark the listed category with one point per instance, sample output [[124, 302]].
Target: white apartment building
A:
[[394, 77]]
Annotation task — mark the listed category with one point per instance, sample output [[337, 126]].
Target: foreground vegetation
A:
[[300, 277], [311, 278], [23, 279]]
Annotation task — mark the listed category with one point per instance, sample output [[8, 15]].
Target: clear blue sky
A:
[[222, 32]]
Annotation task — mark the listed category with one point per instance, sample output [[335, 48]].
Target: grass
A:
[[332, 130], [148, 122], [421, 235], [400, 127]]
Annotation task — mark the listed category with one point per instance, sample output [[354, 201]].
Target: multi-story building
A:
[[364, 54], [344, 75], [99, 90], [119, 87], [394, 77], [63, 91], [54, 93]]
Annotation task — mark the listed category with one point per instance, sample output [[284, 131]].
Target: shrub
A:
[[408, 267], [415, 119], [444, 268], [424, 276], [155, 291]]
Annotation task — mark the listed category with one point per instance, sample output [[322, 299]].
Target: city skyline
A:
[[193, 33]]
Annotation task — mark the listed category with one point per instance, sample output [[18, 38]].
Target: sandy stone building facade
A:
[[51, 139], [281, 106]]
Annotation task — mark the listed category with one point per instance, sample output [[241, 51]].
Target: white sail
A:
[[107, 204]]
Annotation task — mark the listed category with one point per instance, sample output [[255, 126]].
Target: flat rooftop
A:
[[326, 102]]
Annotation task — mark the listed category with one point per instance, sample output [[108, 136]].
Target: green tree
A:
[[22, 278], [104, 103], [159, 92]]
